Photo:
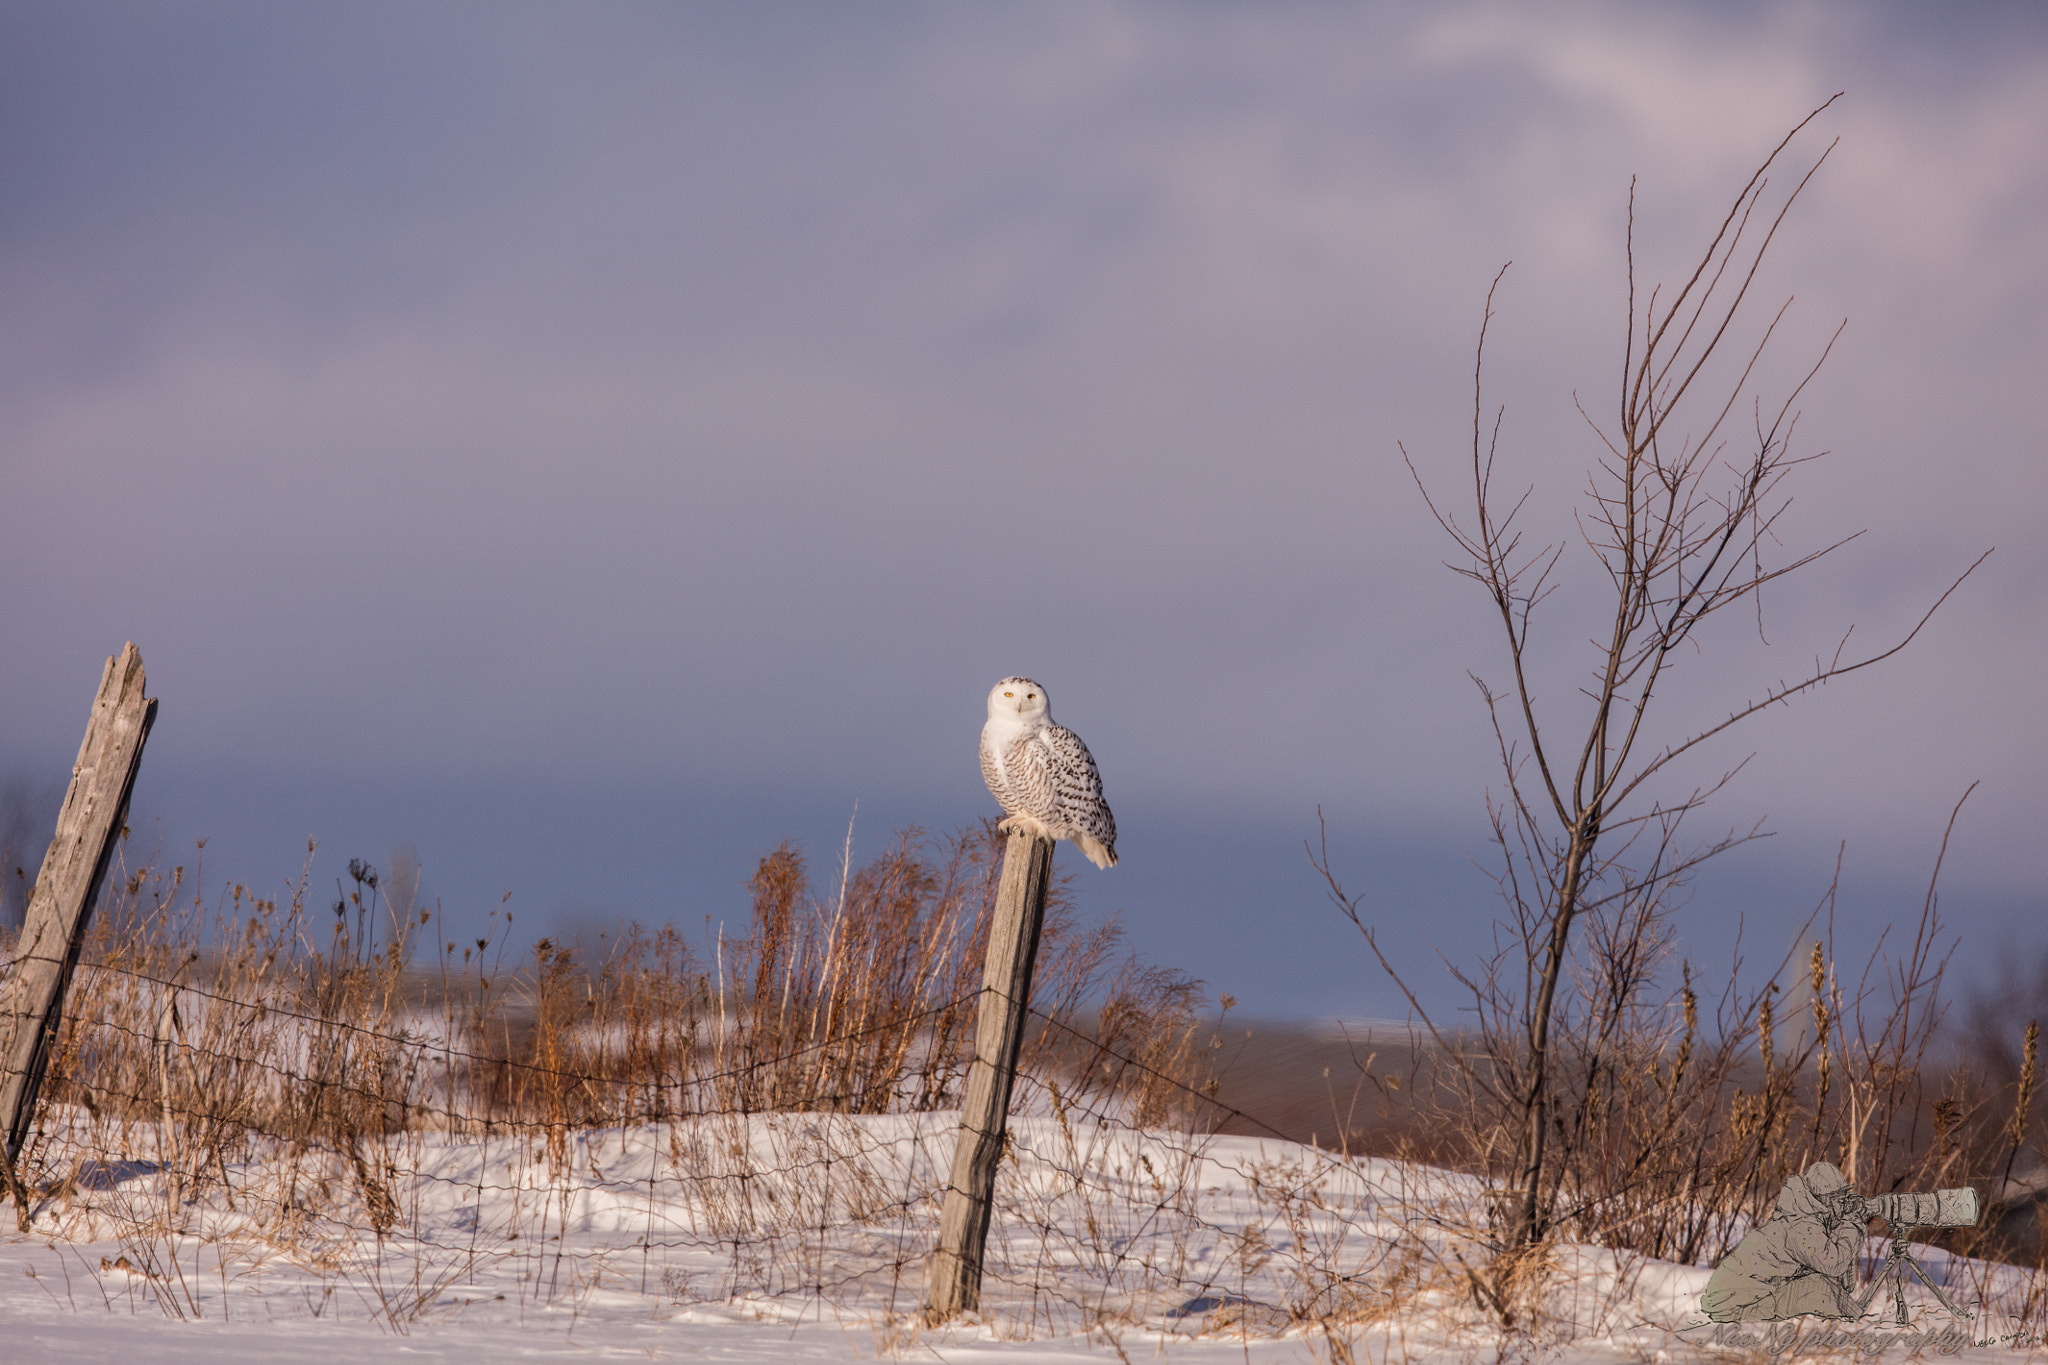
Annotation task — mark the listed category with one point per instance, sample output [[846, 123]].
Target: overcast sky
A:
[[592, 443]]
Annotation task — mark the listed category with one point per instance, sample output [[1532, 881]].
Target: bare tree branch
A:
[[1680, 528]]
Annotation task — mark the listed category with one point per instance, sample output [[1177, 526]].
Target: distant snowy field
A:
[[795, 1237]]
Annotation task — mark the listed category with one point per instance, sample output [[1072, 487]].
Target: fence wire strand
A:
[[188, 1117]]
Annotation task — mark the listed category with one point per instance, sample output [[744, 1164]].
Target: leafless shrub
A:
[[1592, 1092]]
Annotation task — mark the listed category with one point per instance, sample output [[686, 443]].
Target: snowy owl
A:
[[1043, 774]]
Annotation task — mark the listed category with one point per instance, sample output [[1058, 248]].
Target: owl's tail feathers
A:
[[1101, 854]]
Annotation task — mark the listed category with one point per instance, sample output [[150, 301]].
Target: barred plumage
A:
[[1042, 774]]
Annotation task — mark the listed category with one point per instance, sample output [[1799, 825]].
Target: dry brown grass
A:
[[331, 1045], [328, 1044], [1676, 1121], [323, 1026]]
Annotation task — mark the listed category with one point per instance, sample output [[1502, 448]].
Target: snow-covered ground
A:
[[797, 1237]]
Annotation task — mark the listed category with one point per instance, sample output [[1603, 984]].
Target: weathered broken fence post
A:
[[60, 908], [953, 1277]]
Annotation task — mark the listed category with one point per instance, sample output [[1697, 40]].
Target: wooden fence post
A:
[[953, 1277], [60, 908]]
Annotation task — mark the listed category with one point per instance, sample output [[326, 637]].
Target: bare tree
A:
[[1680, 512]]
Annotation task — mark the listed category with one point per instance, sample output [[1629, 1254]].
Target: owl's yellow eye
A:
[[1030, 696], [1009, 694]]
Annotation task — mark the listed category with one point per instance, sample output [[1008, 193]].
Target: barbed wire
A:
[[404, 1039], [433, 1050], [364, 1101], [766, 1204]]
